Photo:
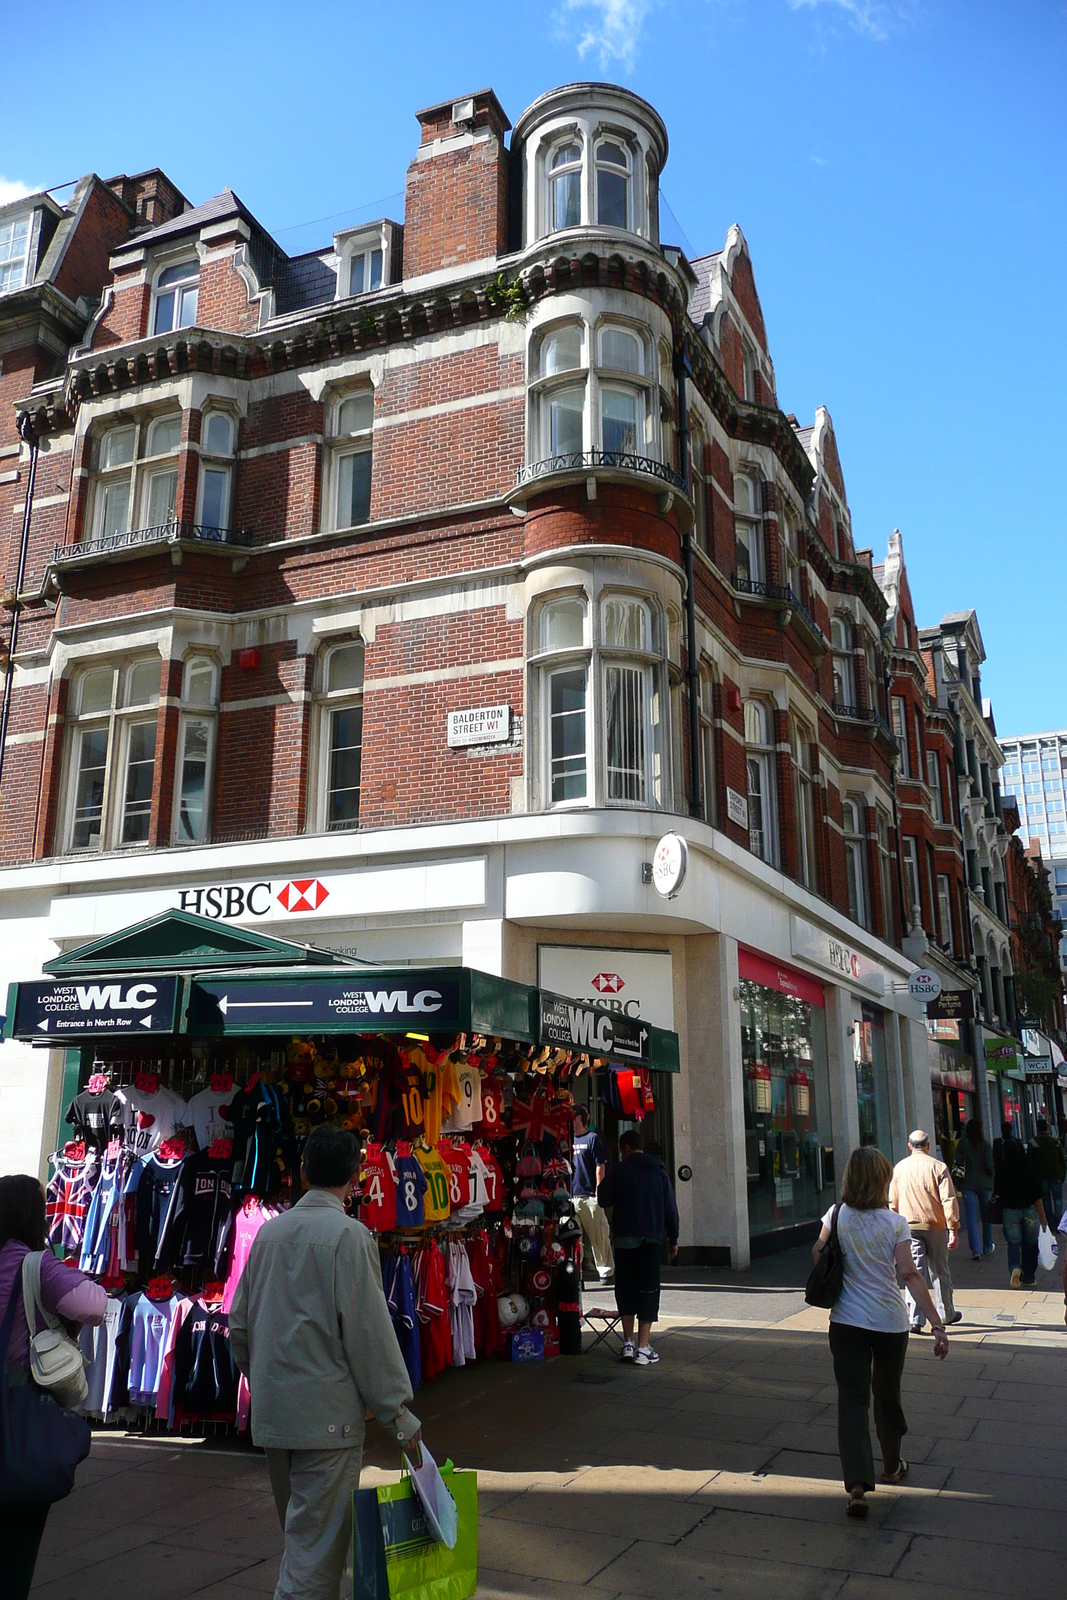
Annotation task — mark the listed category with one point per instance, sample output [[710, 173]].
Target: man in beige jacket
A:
[[922, 1191], [310, 1327]]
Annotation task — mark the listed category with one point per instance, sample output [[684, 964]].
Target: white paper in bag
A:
[[1046, 1249], [438, 1504]]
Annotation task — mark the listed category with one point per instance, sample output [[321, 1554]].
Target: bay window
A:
[[196, 750], [698, 446], [898, 710], [565, 422], [933, 778], [111, 755], [216, 471], [625, 412], [885, 873], [628, 701], [912, 892], [351, 457], [801, 739], [565, 186], [762, 800], [844, 667], [112, 482], [565, 687], [790, 550], [612, 184], [160, 472], [944, 907]]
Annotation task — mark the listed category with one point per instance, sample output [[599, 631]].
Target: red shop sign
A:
[[775, 975]]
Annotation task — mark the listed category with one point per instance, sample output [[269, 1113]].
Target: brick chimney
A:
[[457, 186], [150, 196]]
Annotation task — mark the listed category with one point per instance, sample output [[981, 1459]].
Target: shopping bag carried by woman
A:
[[1046, 1249]]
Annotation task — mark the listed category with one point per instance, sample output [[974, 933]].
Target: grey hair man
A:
[[311, 1329], [922, 1191]]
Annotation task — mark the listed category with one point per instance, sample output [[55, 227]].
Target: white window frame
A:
[[572, 138], [789, 534], [707, 742], [844, 665], [613, 169], [9, 279], [885, 871], [359, 441], [213, 460], [117, 720], [364, 258], [944, 911], [329, 703], [909, 857], [543, 387], [802, 738], [190, 712], [552, 661], [698, 444], [933, 783], [760, 762], [106, 477], [153, 467], [748, 529], [852, 827], [623, 380], [898, 710], [183, 291]]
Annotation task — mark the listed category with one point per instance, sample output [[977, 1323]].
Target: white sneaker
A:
[[627, 1351], [645, 1356]]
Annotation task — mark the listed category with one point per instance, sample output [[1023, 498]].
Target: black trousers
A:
[[20, 1539], [860, 1354], [637, 1281]]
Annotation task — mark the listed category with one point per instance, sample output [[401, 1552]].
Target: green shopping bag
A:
[[417, 1567]]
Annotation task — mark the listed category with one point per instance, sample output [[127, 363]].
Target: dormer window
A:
[[565, 186], [365, 271], [176, 297], [14, 252], [612, 184]]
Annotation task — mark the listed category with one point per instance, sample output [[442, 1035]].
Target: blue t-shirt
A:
[[590, 1152], [410, 1188], [399, 1285]]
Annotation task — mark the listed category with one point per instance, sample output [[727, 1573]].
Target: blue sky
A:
[[897, 168]]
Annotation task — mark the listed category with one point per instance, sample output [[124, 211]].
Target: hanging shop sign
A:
[[69, 1010], [1001, 1055], [951, 1005], [483, 725], [669, 865], [571, 1026], [631, 983], [826, 950], [924, 986], [1038, 1067]]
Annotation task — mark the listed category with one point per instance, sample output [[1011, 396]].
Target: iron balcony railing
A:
[[163, 533], [862, 714], [777, 591], [584, 460]]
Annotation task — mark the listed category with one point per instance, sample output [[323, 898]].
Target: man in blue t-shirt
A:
[[590, 1165]]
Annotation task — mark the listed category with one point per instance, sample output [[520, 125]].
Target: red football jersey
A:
[[494, 1179], [378, 1191], [492, 1123], [459, 1182]]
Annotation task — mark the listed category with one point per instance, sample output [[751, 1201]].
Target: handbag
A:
[[827, 1275], [56, 1363], [958, 1170], [41, 1445]]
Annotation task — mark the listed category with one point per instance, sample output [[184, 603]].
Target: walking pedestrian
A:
[[922, 1191], [869, 1323], [1018, 1188], [590, 1165], [65, 1293], [1051, 1164], [973, 1171], [638, 1192], [310, 1327]]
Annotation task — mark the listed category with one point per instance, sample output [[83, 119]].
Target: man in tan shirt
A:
[[922, 1191]]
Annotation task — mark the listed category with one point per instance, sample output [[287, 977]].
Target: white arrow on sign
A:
[[44, 1024], [146, 1022], [618, 1049], [226, 1004]]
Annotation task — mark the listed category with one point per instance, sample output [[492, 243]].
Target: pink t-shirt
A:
[[246, 1224]]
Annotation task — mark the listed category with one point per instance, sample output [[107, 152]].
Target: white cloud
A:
[[609, 29], [872, 17], [12, 189]]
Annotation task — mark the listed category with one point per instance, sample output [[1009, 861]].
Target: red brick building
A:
[[446, 568]]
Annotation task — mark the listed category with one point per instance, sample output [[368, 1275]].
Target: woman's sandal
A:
[[895, 1477], [857, 1504]]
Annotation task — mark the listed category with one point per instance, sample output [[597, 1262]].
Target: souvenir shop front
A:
[[197, 1060]]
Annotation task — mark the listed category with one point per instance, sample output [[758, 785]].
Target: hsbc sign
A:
[[627, 983], [224, 902]]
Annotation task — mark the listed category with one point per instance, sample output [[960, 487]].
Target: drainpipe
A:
[[29, 437], [905, 925], [682, 369]]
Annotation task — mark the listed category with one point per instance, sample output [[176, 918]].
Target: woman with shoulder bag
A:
[[869, 1322], [972, 1172], [65, 1295]]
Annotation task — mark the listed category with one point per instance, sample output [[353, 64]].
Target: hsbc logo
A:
[[223, 902], [302, 894], [608, 983]]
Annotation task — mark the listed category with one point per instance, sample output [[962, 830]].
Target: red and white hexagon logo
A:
[[608, 982], [302, 894]]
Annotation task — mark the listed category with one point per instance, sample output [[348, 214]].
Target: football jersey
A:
[[440, 1091], [468, 1108], [410, 1189], [492, 1124], [412, 1106], [494, 1179], [436, 1205], [378, 1186], [459, 1184], [480, 1180]]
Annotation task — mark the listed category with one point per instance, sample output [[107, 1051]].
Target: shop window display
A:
[[789, 1149]]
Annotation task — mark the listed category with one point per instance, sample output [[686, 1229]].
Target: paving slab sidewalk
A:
[[714, 1473]]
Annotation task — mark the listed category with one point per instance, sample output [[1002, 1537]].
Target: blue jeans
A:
[[1020, 1233], [979, 1227]]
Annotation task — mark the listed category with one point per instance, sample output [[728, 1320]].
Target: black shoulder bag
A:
[[41, 1445], [827, 1275]]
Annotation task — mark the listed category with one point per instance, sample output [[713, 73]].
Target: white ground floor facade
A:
[[797, 1036]]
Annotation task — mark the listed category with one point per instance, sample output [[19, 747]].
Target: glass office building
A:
[[1034, 771]]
